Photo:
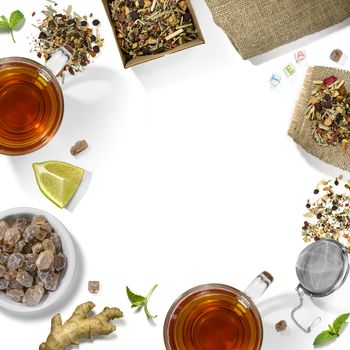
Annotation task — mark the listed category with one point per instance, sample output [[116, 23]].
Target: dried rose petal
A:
[[330, 80]]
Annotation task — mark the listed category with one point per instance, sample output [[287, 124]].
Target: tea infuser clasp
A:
[[298, 307], [59, 59]]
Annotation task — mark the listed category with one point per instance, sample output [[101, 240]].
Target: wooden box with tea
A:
[[149, 29]]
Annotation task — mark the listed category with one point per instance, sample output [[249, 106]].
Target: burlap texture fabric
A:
[[258, 26], [300, 130]]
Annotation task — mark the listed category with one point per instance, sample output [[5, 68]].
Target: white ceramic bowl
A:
[[67, 275]]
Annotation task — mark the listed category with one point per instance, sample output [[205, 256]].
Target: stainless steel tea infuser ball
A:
[[322, 268]]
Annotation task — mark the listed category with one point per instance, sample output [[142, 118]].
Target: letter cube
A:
[[275, 79], [299, 55], [289, 69]]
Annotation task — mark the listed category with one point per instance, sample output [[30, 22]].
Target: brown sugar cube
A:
[[336, 55], [281, 326], [79, 147], [94, 287], [44, 260]]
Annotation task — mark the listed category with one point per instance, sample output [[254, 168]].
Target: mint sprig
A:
[[140, 301], [16, 19], [333, 330]]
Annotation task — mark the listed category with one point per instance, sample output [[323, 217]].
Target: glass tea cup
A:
[[216, 317], [31, 102]]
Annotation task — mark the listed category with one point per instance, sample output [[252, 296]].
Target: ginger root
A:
[[80, 326]]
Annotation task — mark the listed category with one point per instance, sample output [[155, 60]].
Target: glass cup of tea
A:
[[31, 102], [216, 317]]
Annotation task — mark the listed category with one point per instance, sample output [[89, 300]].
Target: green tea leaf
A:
[[324, 337], [135, 299], [141, 301], [16, 19], [339, 322]]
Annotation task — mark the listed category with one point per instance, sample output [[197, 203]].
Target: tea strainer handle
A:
[[59, 59], [298, 307], [259, 285]]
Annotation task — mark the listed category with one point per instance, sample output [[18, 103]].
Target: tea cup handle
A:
[[259, 286], [59, 59]]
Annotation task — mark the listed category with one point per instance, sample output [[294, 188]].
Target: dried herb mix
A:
[[146, 27], [328, 112], [69, 28], [328, 215]]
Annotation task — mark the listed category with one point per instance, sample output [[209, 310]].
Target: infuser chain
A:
[[301, 303]]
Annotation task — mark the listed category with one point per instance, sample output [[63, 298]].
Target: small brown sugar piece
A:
[[94, 287], [281, 326], [79, 147], [336, 55]]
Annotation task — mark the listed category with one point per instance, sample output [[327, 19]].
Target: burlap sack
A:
[[301, 132], [257, 26]]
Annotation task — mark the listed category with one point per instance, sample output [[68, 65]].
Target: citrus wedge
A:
[[58, 181]]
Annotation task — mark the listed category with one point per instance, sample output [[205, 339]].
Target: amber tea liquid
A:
[[31, 106], [213, 320]]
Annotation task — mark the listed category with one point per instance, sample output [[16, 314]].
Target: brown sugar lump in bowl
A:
[[28, 250], [37, 259]]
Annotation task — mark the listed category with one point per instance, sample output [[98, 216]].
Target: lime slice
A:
[[58, 181]]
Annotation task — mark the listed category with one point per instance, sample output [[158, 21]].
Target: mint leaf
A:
[[140, 301], [5, 20], [324, 337], [136, 300], [16, 19], [147, 298], [333, 330], [4, 25], [339, 322]]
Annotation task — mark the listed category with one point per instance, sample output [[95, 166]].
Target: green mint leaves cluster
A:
[[15, 21], [139, 301], [333, 330]]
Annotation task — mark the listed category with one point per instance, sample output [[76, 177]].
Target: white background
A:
[[194, 180]]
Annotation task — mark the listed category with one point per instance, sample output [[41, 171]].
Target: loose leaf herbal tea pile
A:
[[328, 112], [69, 28], [329, 213], [146, 27]]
